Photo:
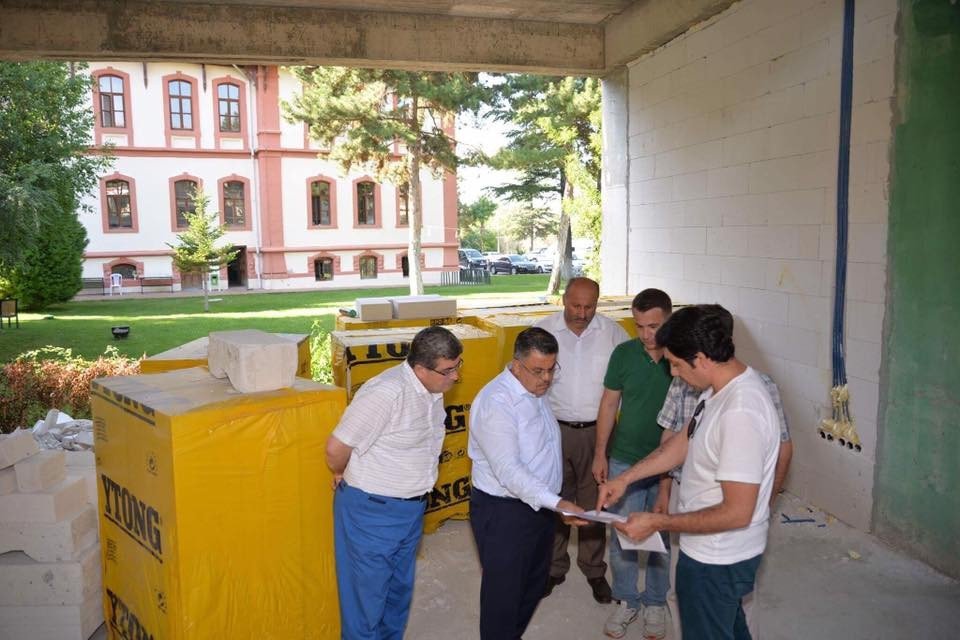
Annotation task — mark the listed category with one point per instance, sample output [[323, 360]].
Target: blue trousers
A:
[[515, 545], [710, 597], [375, 542], [625, 565]]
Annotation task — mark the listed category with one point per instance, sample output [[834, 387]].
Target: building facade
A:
[[295, 218]]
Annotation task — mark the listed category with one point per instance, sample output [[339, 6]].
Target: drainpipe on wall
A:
[[255, 196]]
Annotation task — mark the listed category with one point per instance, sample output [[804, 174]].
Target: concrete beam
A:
[[647, 25], [247, 34]]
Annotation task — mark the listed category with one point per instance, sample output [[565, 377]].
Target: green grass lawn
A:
[[158, 324]]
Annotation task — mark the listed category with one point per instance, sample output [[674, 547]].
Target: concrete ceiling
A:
[[588, 37]]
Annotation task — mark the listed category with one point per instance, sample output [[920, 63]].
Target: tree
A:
[[45, 169], [527, 222], [555, 146], [365, 115], [475, 214], [196, 250]]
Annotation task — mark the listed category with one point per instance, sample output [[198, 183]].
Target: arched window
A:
[[228, 107], [366, 204], [112, 111], [128, 271], [119, 214], [323, 269], [368, 267], [320, 202], [234, 207], [181, 104], [184, 190]]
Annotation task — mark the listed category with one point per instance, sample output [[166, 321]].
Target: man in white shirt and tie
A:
[[586, 341], [515, 448]]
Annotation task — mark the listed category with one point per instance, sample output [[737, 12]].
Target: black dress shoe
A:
[[601, 590], [553, 581]]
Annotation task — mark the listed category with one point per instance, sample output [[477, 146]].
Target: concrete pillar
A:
[[615, 257]]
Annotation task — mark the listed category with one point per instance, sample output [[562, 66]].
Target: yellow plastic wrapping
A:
[[194, 354], [215, 508], [506, 327], [360, 355], [623, 317], [346, 323]]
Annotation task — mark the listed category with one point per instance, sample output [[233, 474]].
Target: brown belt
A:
[[578, 425]]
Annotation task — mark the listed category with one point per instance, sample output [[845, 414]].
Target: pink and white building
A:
[[296, 219]]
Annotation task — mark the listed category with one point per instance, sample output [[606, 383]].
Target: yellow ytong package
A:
[[346, 323], [623, 317], [506, 327], [360, 355], [216, 508], [194, 354]]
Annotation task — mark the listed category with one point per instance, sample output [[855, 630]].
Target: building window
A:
[[181, 104], [323, 269], [320, 202], [234, 214], [368, 267], [366, 205], [403, 204], [119, 214], [228, 106], [184, 190], [111, 102]]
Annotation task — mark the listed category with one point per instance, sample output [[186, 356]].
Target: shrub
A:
[[53, 378], [321, 368]]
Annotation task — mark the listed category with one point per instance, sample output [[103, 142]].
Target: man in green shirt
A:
[[636, 383]]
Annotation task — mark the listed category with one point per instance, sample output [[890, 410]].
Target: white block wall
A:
[[732, 144]]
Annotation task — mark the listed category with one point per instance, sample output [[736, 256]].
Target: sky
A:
[[489, 136]]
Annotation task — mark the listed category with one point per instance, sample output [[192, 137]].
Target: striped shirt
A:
[[395, 427]]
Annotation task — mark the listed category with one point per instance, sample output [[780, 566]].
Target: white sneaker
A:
[[622, 616], [655, 622]]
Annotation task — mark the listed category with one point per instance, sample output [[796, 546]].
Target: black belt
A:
[[419, 498], [578, 425]]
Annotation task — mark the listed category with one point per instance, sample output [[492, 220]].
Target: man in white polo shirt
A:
[[729, 455], [586, 341], [384, 455]]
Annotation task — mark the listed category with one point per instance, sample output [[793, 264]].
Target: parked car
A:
[[472, 259], [577, 266], [514, 263], [544, 260]]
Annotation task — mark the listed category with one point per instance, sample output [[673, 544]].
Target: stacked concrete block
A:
[[374, 309], [254, 361], [428, 306], [83, 464], [50, 578]]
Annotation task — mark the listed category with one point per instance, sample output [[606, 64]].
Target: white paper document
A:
[[652, 543], [596, 516]]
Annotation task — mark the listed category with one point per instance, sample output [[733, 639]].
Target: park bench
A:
[[91, 285], [156, 281]]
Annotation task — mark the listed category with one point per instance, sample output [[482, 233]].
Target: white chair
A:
[[116, 282]]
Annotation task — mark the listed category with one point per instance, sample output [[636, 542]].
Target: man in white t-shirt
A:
[[729, 457]]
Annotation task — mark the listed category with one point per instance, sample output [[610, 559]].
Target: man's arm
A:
[[662, 505], [734, 511], [609, 403], [338, 455], [665, 457], [780, 472]]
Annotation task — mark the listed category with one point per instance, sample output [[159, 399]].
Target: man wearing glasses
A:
[[635, 384], [515, 448], [586, 341], [384, 455], [729, 453]]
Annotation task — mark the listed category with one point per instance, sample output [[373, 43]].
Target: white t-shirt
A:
[[737, 439]]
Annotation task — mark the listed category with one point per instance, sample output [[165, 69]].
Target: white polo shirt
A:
[[737, 439], [395, 427], [575, 393]]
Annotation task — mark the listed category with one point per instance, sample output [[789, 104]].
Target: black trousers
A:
[[515, 546]]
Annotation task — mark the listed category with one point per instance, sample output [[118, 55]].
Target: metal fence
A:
[[464, 276]]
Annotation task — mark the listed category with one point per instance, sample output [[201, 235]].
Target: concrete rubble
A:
[[50, 577]]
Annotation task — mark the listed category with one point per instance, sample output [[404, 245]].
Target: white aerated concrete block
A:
[[67, 622], [374, 309], [51, 542], [80, 459], [42, 471], [8, 481], [16, 446], [409, 307], [24, 581], [50, 505], [253, 360]]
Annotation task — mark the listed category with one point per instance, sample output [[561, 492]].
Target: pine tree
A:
[[196, 250], [365, 115]]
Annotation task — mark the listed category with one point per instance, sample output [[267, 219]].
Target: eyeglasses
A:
[[692, 425], [542, 373], [447, 373]]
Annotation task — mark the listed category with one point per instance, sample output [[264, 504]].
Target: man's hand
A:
[[566, 505], [662, 503], [337, 479], [600, 467], [638, 526], [609, 492]]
